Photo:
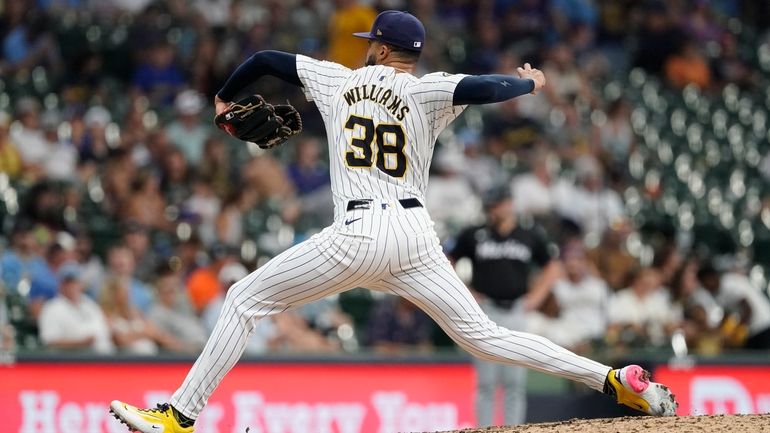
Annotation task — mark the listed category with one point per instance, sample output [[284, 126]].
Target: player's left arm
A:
[[550, 271], [541, 286], [488, 89]]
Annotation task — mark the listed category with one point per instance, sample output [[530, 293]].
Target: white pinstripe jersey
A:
[[381, 126]]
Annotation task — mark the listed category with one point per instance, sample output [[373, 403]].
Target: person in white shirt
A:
[[581, 299], [187, 132], [482, 170], [450, 198], [72, 320], [538, 191], [62, 157], [643, 313], [27, 135], [735, 293], [171, 313], [591, 205]]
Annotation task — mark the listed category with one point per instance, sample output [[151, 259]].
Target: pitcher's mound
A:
[[683, 424]]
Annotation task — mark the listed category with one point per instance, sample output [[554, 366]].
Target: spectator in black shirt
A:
[[658, 37], [504, 256]]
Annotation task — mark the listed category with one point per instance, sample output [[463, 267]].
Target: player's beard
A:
[[370, 60]]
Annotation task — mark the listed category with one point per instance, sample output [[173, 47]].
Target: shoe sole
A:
[[668, 404], [123, 421]]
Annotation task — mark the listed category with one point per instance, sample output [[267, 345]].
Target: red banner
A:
[[268, 398], [706, 390]]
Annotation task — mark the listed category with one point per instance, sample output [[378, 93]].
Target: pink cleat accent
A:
[[637, 378]]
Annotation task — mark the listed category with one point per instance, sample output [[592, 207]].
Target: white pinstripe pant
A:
[[393, 250]]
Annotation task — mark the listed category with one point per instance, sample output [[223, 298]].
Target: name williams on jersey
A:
[[380, 95]]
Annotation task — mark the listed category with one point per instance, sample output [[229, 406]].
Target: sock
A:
[[181, 419], [609, 390]]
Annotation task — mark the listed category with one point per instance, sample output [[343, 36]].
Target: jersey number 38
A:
[[388, 153]]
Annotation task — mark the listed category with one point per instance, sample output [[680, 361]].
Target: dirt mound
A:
[[682, 424]]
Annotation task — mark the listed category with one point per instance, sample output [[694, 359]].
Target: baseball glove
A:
[[255, 120]]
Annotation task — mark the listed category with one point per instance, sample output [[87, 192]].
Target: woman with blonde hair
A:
[[131, 331]]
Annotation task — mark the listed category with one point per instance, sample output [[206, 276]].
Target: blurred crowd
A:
[[126, 215]]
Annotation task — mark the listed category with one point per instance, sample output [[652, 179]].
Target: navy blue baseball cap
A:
[[397, 28]]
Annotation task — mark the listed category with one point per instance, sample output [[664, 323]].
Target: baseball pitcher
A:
[[382, 122]]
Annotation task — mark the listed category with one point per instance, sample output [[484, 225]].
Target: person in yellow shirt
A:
[[349, 17], [10, 160]]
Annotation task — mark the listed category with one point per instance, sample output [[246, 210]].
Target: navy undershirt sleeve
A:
[[275, 63], [487, 89]]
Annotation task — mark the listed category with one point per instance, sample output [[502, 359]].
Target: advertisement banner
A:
[[707, 390], [267, 398]]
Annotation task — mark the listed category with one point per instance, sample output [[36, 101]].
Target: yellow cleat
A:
[[631, 386], [159, 420]]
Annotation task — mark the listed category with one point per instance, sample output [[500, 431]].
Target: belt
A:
[[406, 203]]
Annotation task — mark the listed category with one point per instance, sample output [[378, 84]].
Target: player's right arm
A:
[[316, 78], [269, 62]]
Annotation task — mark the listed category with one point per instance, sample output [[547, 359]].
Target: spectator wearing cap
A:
[[10, 159], [45, 280], [93, 145], [187, 133], [28, 137], [72, 320], [172, 313], [203, 284], [504, 255]]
